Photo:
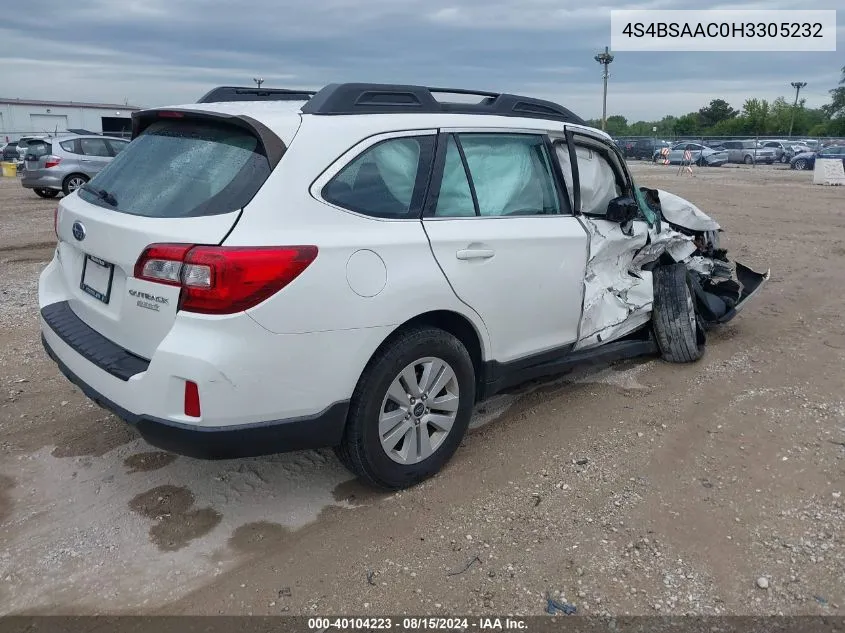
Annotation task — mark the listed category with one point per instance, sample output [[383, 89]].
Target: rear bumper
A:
[[39, 180], [223, 442]]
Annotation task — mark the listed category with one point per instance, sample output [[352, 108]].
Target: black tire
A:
[[361, 449], [749, 160], [678, 329], [70, 183], [46, 193]]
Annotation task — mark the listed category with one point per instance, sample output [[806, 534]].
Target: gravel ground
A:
[[641, 488]]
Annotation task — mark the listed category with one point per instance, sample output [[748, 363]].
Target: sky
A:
[[160, 52]]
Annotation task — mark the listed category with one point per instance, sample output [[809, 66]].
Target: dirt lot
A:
[[638, 488]]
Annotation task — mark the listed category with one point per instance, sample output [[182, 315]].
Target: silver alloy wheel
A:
[[800, 164], [419, 410], [75, 183]]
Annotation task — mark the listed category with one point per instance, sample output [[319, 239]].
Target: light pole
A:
[[605, 60], [258, 81], [797, 85]]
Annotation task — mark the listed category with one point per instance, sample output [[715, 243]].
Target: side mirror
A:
[[622, 210]]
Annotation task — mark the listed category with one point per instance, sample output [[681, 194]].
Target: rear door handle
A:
[[475, 253]]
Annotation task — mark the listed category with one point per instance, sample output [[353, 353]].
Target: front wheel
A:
[[801, 164], [680, 335], [46, 193], [749, 160], [410, 409], [784, 159]]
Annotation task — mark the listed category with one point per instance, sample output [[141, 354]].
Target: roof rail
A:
[[361, 98], [232, 93]]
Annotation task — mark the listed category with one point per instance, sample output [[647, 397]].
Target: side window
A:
[[117, 146], [510, 174], [94, 147], [598, 179], [69, 146], [386, 181], [455, 196]]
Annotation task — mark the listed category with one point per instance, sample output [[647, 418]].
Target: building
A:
[[24, 117]]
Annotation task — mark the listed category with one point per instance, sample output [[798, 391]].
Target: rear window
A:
[[37, 149], [183, 169]]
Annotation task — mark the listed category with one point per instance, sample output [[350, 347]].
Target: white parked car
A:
[[269, 270]]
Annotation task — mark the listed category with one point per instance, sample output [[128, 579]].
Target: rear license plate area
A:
[[97, 276]]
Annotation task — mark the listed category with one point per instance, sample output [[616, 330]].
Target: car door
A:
[[95, 155], [618, 295], [502, 232], [676, 155], [734, 149]]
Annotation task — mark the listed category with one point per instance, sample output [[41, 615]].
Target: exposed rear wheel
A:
[[73, 182], [679, 332], [46, 193], [410, 409]]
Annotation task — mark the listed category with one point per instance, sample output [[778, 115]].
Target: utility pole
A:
[[797, 85], [259, 81], [605, 60]]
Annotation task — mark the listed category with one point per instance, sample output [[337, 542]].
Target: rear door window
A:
[[94, 147], [70, 147], [184, 169], [510, 174]]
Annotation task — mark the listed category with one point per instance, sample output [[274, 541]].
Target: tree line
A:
[[757, 117]]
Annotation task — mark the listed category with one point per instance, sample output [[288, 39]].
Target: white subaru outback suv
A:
[[273, 270]]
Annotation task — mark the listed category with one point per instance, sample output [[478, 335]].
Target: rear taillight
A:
[[52, 161], [223, 279]]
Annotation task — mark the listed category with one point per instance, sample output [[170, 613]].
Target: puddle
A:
[[88, 534], [175, 523]]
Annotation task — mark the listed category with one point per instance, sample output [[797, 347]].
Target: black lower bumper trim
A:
[[228, 442], [95, 347]]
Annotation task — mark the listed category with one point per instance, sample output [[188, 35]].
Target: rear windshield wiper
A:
[[102, 194]]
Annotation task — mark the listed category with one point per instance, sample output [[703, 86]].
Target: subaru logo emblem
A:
[[79, 231]]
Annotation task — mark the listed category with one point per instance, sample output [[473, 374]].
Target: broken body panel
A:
[[618, 285]]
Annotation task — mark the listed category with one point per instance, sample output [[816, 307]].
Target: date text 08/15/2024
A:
[[417, 624]]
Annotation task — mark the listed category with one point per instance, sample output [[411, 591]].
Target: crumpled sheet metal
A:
[[618, 294], [684, 213], [613, 296]]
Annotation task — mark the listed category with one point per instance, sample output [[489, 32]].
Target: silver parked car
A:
[[699, 155], [66, 163], [747, 152]]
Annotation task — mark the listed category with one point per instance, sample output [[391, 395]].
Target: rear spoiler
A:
[[274, 147]]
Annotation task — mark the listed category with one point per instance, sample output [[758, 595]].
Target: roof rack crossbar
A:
[[235, 93], [360, 98]]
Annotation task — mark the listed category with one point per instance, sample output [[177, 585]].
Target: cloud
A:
[[155, 52]]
